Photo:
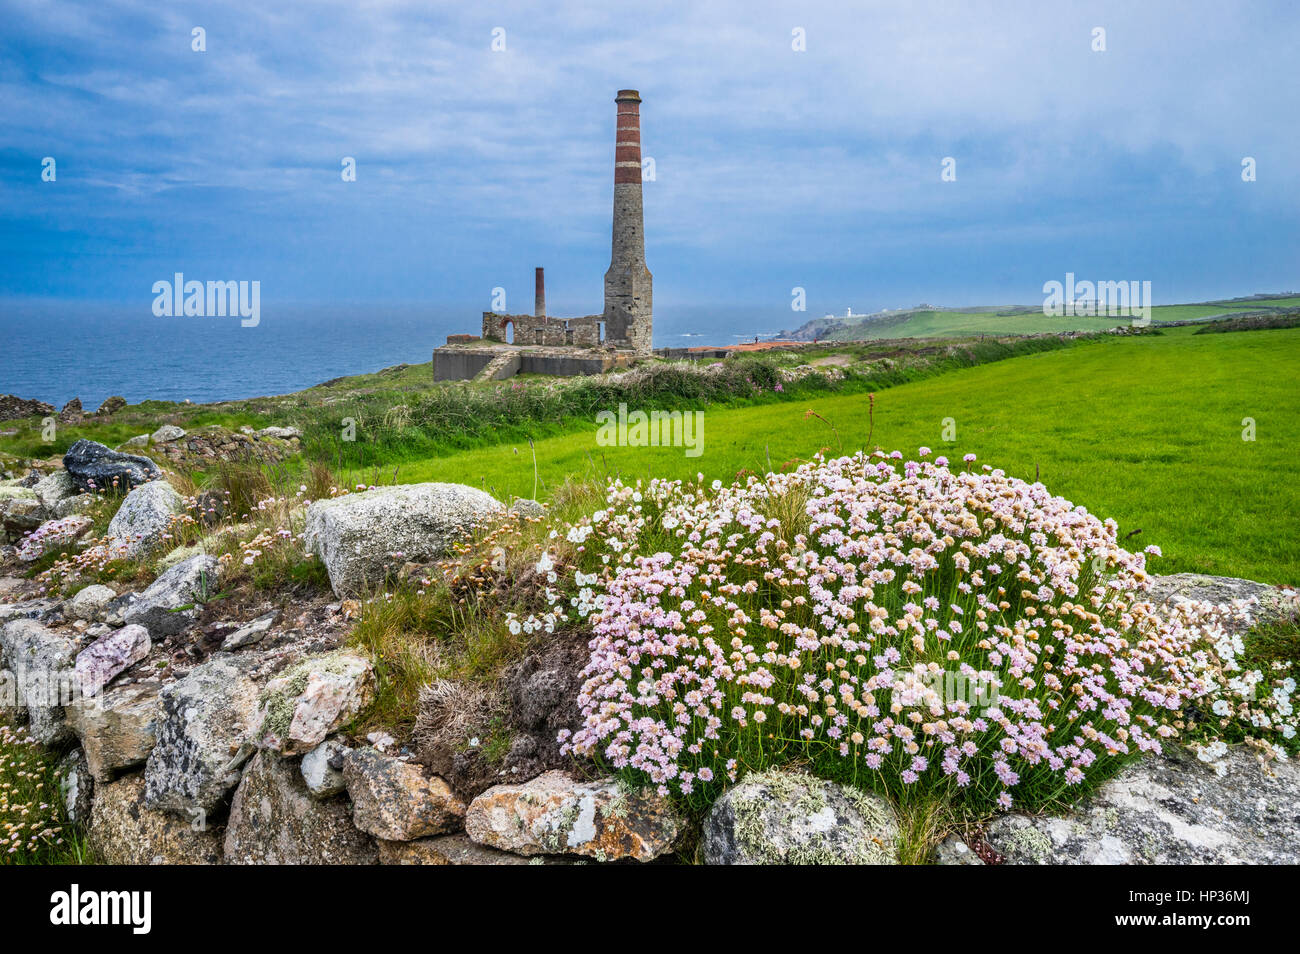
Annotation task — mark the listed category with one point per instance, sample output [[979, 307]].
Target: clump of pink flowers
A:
[[937, 628], [52, 534]]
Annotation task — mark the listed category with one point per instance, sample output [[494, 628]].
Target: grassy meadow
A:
[[1147, 430], [1020, 321]]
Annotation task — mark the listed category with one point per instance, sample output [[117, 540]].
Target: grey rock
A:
[[361, 538], [322, 769], [140, 440], [1169, 810], [117, 728], [76, 786], [54, 489], [111, 405], [114, 614], [1272, 602], [786, 817], [93, 466], [167, 433], [204, 735], [89, 603], [275, 821], [528, 508], [251, 633], [80, 503], [124, 830], [953, 851], [20, 512], [281, 433], [142, 522], [39, 663], [109, 656], [169, 603], [396, 800], [41, 608], [309, 701], [457, 849], [557, 813]]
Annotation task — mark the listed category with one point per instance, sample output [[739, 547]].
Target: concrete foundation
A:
[[498, 362]]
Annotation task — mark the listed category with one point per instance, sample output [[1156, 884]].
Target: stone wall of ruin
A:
[[584, 332]]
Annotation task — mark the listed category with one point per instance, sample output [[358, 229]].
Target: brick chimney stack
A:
[[628, 312], [539, 294]]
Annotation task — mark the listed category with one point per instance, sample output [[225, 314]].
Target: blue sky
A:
[[775, 168]]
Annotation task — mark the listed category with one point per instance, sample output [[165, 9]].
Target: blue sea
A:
[[55, 351]]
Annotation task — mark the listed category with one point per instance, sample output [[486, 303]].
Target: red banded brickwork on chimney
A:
[[627, 139], [628, 303]]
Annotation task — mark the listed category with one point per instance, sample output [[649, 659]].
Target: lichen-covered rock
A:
[[274, 821], [953, 851], [114, 613], [250, 633], [396, 800], [142, 522], [116, 728], [363, 537], [124, 830], [301, 707], [782, 817], [76, 786], [204, 735], [109, 656], [166, 433], [170, 603], [80, 503], [526, 508], [54, 489], [41, 608], [20, 512], [1272, 602], [93, 467], [40, 666], [322, 769], [89, 603], [1169, 810], [111, 406], [280, 433], [557, 814], [456, 849]]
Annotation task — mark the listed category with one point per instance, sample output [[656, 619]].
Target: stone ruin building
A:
[[546, 344]]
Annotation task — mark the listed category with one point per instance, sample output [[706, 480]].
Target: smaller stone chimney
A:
[[539, 295]]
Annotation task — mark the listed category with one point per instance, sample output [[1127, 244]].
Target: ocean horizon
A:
[[54, 351]]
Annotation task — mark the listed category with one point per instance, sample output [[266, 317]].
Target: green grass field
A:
[[928, 324], [1147, 430]]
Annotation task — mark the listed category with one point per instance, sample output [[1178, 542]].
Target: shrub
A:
[[901, 625], [1262, 322]]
